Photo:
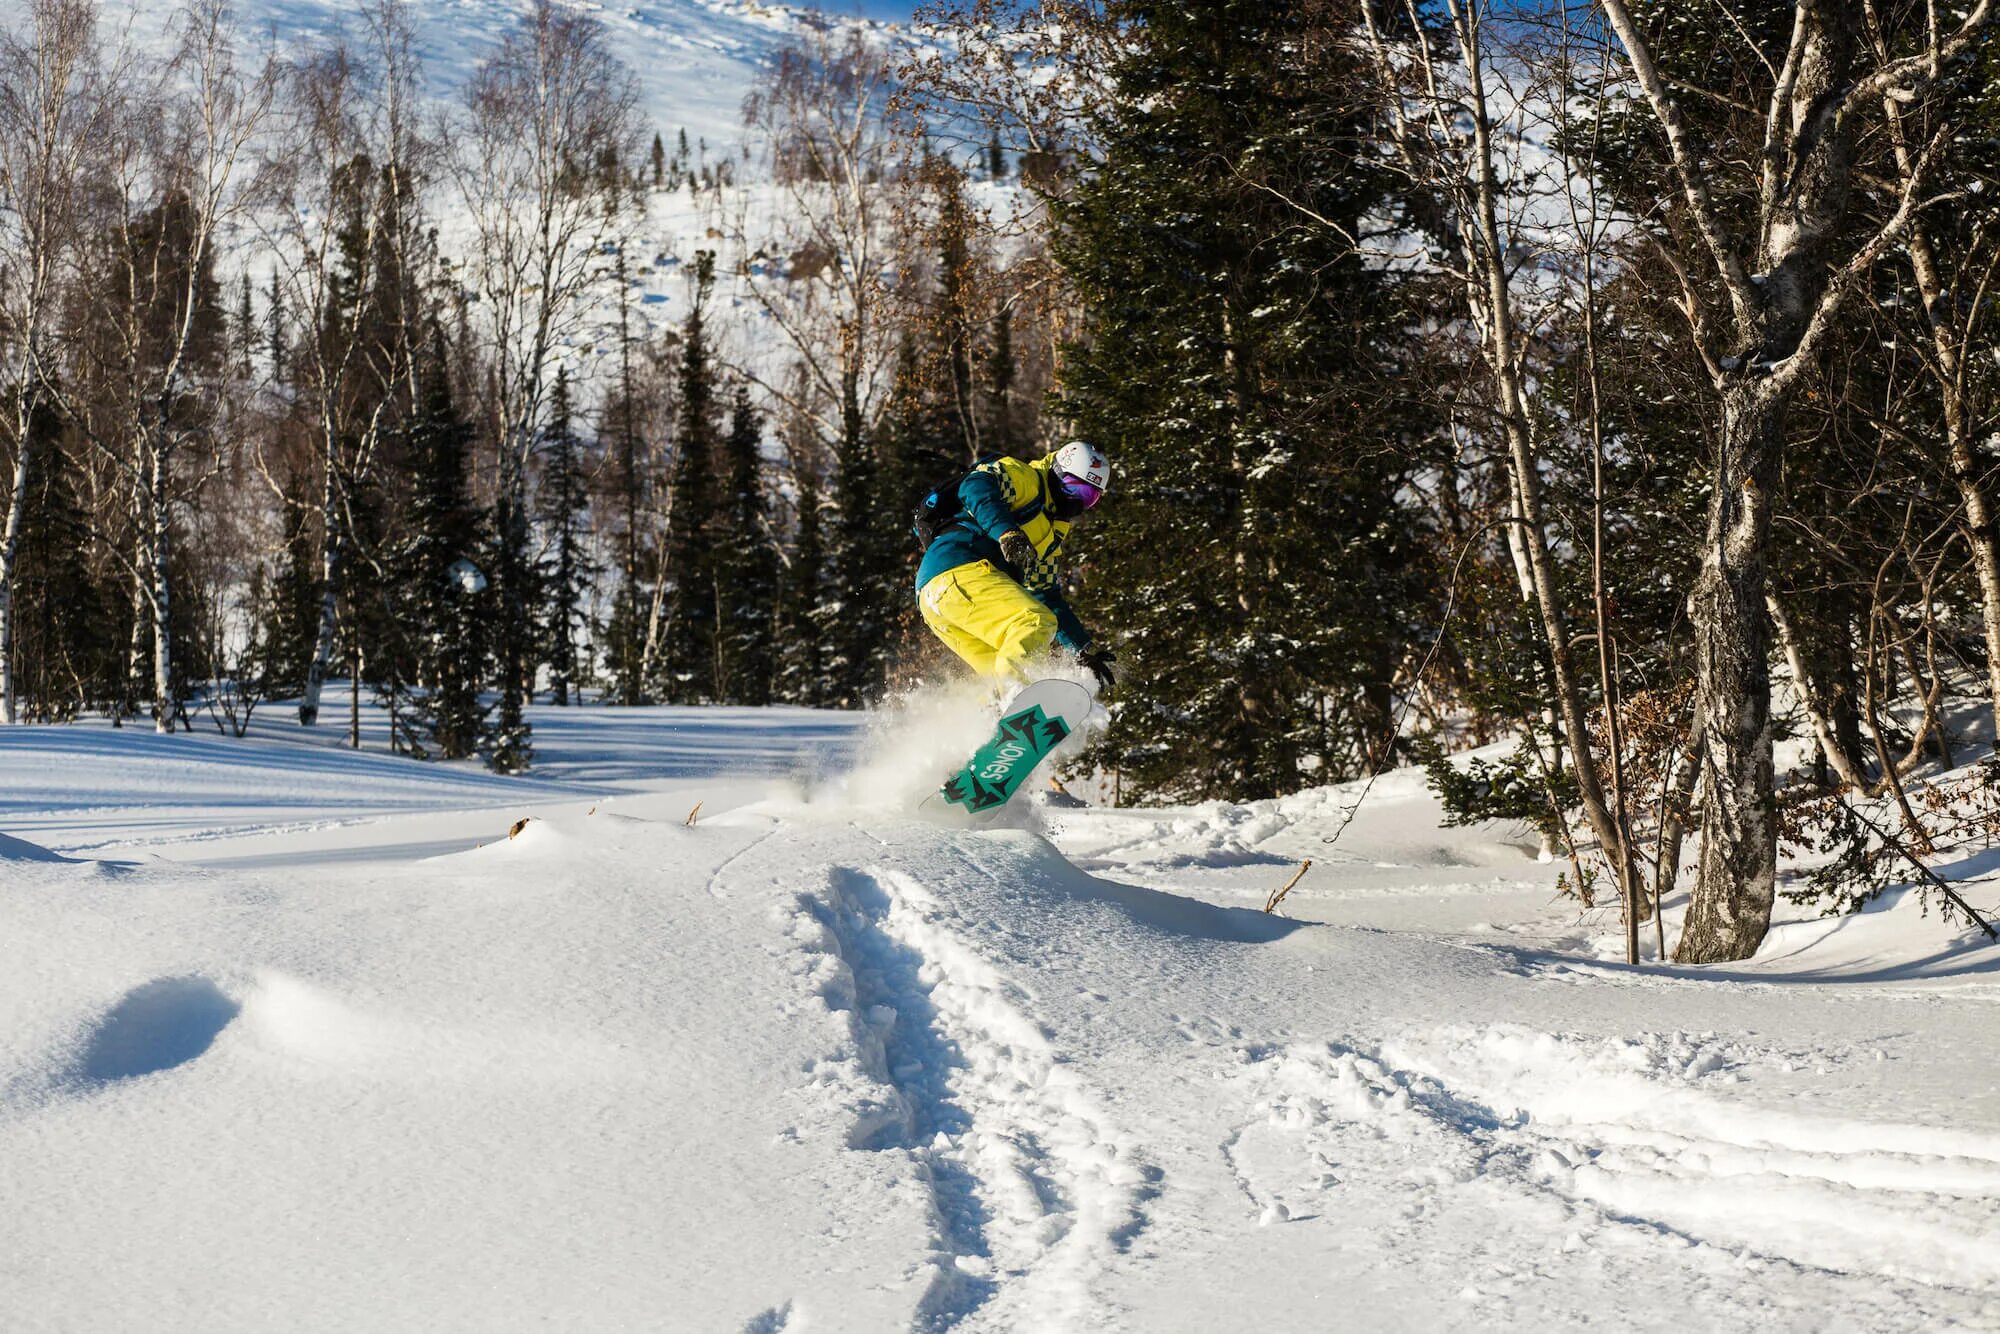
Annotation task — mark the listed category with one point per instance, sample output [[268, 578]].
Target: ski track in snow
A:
[[1625, 1132], [1034, 1189]]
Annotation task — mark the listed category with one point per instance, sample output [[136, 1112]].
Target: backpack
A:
[[940, 506]]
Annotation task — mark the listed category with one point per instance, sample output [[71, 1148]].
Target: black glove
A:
[[1099, 663], [1016, 547]]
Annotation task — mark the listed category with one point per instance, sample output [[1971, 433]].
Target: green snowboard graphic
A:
[[1024, 738]]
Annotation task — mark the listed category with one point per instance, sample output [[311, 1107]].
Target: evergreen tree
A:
[[570, 571], [746, 567], [246, 331], [277, 335], [854, 615], [292, 606], [1003, 433], [67, 619], [802, 677], [659, 161], [624, 630], [518, 585], [449, 601], [689, 655], [1254, 560]]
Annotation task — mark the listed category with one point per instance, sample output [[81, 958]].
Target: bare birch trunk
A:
[[1491, 297], [330, 563], [160, 593], [1738, 869], [1844, 762], [1966, 471], [10, 546]]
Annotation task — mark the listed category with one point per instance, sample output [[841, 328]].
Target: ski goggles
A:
[[1082, 492]]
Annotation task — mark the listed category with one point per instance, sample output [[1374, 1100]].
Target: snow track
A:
[[1034, 1188], [1632, 1136]]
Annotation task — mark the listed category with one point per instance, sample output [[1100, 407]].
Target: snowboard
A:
[[1037, 720]]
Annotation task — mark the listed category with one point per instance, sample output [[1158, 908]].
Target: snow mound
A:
[[20, 850], [1035, 869]]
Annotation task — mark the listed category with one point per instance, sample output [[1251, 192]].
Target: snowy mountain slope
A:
[[694, 59], [811, 1064]]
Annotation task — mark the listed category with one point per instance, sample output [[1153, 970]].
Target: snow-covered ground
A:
[[293, 1037]]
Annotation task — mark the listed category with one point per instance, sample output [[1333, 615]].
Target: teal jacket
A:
[[993, 498]]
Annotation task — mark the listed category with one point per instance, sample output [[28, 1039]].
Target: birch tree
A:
[[819, 265], [181, 172], [53, 111], [1445, 130], [346, 219], [537, 118], [1955, 289], [1769, 259]]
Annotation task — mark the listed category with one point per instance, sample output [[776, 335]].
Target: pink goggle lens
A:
[[1079, 490]]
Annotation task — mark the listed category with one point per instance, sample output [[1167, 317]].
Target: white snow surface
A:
[[295, 1037]]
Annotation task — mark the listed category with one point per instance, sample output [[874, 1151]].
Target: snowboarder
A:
[[987, 586]]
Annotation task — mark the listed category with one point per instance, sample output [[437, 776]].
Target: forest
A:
[[1611, 388]]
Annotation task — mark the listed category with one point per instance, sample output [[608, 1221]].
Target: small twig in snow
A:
[[1271, 904]]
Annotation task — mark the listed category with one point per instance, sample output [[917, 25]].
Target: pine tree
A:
[[746, 567], [449, 601], [277, 333], [1254, 561], [1003, 433], [67, 620], [802, 677], [518, 585], [246, 331], [292, 605], [564, 504], [689, 656], [628, 486], [852, 616], [953, 318], [659, 161]]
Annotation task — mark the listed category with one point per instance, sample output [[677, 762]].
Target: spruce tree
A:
[[292, 607], [746, 567], [449, 601], [564, 504], [518, 584], [1254, 561], [623, 635], [853, 617], [67, 618], [246, 332], [1003, 433], [801, 647], [276, 333], [689, 653]]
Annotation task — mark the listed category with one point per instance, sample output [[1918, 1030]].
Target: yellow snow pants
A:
[[987, 619]]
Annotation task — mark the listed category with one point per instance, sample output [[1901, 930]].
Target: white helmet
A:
[[1086, 463]]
